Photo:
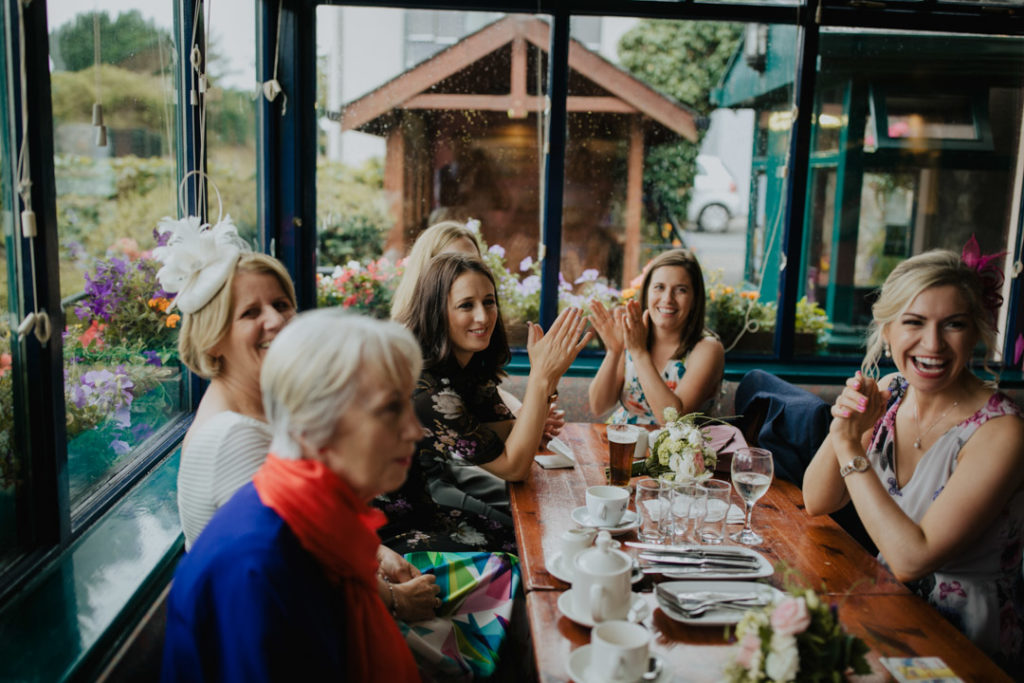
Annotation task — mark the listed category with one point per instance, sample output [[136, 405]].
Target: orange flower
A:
[[159, 303], [750, 295], [94, 333], [628, 293], [5, 363], [172, 320]]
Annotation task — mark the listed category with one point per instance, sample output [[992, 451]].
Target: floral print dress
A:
[[633, 407], [454, 405], [981, 589]]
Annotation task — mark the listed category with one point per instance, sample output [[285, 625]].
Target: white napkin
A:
[[735, 515], [563, 455]]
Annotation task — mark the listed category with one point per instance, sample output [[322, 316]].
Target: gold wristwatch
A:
[[858, 464]]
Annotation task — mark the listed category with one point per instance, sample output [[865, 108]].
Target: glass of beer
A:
[[621, 446]]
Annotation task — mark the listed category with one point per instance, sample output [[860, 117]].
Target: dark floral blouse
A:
[[430, 511]]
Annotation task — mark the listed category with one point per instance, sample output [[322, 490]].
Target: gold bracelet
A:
[[394, 600]]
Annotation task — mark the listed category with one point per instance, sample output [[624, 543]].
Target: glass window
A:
[[12, 463], [675, 167], [231, 113], [924, 159], [115, 141], [456, 137]]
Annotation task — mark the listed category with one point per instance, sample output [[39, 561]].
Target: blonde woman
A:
[[932, 456]]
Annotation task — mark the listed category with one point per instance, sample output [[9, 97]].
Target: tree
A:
[[683, 60], [128, 41]]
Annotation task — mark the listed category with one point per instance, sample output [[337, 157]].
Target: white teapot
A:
[[602, 587]]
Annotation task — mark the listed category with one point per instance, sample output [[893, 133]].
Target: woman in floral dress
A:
[[456, 318], [933, 457], [658, 354]]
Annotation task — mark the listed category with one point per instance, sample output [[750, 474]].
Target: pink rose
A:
[[749, 655], [790, 617]]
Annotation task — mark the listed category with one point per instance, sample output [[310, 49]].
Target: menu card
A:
[[919, 670]]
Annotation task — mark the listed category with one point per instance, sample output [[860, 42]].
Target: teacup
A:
[[574, 541], [618, 652], [602, 586], [607, 504]]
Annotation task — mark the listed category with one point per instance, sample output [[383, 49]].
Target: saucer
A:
[[557, 569], [579, 663], [637, 603], [630, 520]]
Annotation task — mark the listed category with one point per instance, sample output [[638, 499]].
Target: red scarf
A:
[[340, 531]]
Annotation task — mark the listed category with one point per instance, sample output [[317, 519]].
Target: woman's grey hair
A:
[[316, 367], [935, 268]]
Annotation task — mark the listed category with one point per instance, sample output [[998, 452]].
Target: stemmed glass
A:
[[752, 470]]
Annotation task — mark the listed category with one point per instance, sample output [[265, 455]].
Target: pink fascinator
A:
[[987, 267]]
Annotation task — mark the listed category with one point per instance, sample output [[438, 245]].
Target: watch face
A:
[[860, 463]]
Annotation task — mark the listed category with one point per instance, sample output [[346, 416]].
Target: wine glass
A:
[[752, 470]]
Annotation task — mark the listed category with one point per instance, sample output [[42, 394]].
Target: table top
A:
[[872, 603]]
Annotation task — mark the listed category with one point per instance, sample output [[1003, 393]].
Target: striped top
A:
[[222, 456]]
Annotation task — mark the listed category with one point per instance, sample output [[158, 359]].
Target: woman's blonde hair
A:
[[202, 330], [935, 268], [429, 244], [315, 369]]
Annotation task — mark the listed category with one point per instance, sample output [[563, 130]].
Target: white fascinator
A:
[[197, 259]]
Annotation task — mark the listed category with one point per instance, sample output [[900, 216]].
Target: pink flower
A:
[[749, 654], [790, 617]]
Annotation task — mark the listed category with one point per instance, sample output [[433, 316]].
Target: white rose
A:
[[468, 535], [783, 661], [695, 438]]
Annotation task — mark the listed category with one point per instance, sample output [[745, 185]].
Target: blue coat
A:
[[249, 604]]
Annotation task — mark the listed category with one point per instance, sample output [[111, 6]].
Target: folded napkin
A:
[[563, 455], [735, 515]]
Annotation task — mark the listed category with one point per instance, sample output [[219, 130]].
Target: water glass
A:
[[752, 471], [654, 507], [719, 497], [689, 505]]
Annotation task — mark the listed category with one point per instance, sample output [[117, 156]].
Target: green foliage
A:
[[130, 40], [352, 212], [352, 238], [131, 100], [684, 60]]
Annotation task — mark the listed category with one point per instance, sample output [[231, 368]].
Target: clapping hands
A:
[[552, 353], [858, 407]]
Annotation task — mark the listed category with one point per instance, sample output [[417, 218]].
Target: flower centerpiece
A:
[[681, 450], [797, 639], [364, 288]]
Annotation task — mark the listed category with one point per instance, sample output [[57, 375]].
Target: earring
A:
[[885, 350]]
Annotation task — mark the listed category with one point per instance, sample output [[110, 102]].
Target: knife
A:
[[687, 570], [668, 558], [690, 550], [679, 558]]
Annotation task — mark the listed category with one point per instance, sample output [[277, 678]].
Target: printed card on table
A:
[[919, 670]]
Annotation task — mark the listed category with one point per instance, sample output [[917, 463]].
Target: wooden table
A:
[[872, 603]]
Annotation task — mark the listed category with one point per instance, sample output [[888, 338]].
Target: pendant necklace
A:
[[917, 419]]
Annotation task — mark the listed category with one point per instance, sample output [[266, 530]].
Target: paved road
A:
[[725, 251]]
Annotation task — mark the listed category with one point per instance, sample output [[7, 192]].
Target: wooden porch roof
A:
[[612, 89]]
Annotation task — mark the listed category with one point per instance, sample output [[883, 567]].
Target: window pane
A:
[[231, 113], [924, 158], [122, 377], [455, 137], [666, 159], [12, 463]]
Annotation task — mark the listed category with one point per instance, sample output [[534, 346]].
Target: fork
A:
[[698, 607]]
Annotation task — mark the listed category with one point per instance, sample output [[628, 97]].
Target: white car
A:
[[715, 199]]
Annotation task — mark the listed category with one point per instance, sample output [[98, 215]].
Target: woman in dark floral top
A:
[[457, 320]]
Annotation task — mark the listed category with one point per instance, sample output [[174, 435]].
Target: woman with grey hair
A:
[[932, 456], [281, 585]]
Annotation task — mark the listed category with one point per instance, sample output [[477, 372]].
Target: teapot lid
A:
[[603, 558]]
